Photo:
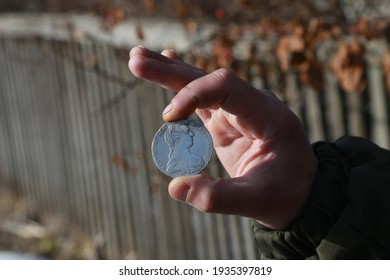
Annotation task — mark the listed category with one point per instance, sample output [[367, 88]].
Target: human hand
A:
[[259, 141]]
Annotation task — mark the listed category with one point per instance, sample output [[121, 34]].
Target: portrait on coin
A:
[[179, 139]]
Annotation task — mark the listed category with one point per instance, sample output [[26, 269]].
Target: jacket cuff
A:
[[326, 202]]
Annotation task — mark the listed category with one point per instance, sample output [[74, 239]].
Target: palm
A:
[[234, 150]]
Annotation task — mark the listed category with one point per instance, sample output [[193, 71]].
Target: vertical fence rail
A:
[[76, 130], [75, 135], [379, 105]]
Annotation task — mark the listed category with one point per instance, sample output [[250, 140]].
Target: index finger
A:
[[170, 73], [198, 90], [254, 111]]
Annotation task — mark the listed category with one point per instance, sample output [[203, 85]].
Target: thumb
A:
[[197, 191], [211, 195]]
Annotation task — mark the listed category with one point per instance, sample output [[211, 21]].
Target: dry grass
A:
[[43, 237]]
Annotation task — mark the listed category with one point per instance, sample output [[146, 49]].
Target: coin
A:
[[182, 148]]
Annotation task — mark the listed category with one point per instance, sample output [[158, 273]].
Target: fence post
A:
[[380, 115], [293, 98], [314, 117], [334, 109], [355, 114]]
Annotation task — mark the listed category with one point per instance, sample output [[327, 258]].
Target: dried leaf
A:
[[220, 13], [311, 74], [297, 59], [181, 9], [191, 25], [150, 5], [139, 32], [111, 17], [222, 51], [348, 65], [120, 161], [386, 69], [283, 53]]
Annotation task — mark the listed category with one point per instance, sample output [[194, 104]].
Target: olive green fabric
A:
[[347, 215]]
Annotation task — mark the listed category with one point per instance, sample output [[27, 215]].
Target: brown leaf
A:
[[290, 49], [283, 53], [120, 161], [181, 9], [111, 17], [297, 59], [386, 69], [222, 51], [311, 74], [150, 5], [139, 32], [348, 65], [220, 13], [191, 25]]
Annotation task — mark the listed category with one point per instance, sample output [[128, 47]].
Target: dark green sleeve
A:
[[347, 215]]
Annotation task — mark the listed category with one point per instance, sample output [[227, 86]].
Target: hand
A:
[[259, 141]]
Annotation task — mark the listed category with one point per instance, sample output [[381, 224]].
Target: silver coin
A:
[[182, 148]]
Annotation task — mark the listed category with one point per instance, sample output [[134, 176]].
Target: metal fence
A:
[[75, 139], [75, 135]]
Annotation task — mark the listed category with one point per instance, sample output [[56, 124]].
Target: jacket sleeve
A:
[[347, 215]]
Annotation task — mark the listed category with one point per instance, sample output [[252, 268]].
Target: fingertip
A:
[[135, 65], [170, 53], [182, 106], [167, 113], [138, 50], [174, 113], [178, 190], [197, 191]]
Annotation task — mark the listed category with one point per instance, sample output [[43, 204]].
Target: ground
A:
[[39, 237]]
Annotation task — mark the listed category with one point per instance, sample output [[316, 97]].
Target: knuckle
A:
[[208, 198], [224, 74], [208, 203]]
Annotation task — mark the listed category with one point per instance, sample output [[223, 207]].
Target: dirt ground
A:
[[13, 220], [26, 236]]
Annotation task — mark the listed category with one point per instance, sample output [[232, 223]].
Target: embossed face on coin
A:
[[182, 148]]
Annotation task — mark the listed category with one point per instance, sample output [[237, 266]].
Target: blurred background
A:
[[77, 180]]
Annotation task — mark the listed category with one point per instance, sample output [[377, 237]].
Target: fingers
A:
[[144, 52], [164, 69], [170, 54], [215, 89], [198, 90]]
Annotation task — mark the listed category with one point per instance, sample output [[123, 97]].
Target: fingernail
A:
[[136, 50], [185, 189], [168, 108]]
